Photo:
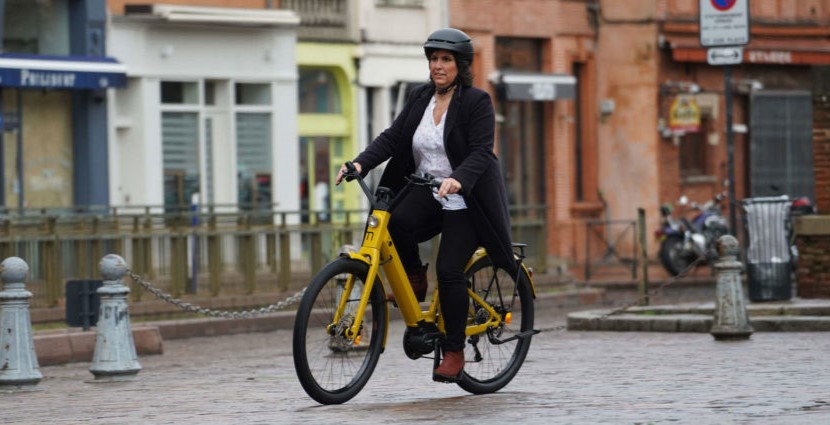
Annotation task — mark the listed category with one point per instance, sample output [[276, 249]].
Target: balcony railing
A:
[[325, 20]]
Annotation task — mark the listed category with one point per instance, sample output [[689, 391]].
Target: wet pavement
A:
[[569, 378]]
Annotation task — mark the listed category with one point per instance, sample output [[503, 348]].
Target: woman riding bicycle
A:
[[446, 129]]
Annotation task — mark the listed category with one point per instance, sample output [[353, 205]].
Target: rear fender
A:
[[481, 253]]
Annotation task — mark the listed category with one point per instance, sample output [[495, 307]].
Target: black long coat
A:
[[468, 140]]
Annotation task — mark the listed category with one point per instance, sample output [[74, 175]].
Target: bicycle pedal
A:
[[446, 379]]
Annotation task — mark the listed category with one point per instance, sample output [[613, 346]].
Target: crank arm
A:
[[521, 335]]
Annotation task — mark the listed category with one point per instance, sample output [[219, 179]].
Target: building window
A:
[[179, 93], [318, 92], [253, 94], [694, 153], [180, 154], [253, 150], [315, 178], [521, 132], [399, 3], [253, 145], [36, 27]]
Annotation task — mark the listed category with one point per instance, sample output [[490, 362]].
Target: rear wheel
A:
[[331, 366], [674, 257], [489, 363]]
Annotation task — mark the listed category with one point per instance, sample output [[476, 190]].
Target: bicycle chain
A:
[[225, 314], [639, 300]]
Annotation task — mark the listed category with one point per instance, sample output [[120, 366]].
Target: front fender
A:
[[351, 254]]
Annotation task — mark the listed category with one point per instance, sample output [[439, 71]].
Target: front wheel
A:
[[489, 362], [332, 366]]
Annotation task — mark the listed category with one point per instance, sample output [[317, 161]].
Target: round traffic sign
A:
[[723, 5]]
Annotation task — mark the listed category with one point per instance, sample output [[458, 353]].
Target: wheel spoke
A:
[[331, 366]]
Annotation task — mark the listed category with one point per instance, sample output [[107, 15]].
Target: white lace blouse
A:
[[430, 156]]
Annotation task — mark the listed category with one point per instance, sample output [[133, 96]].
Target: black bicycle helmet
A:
[[450, 39]]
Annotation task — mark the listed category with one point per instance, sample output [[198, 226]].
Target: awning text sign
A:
[[51, 72], [724, 22]]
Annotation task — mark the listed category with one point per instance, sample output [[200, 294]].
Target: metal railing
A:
[[606, 244], [325, 19], [207, 253]]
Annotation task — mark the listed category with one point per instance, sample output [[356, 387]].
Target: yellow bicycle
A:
[[342, 320]]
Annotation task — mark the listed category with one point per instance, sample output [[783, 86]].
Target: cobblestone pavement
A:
[[568, 378]]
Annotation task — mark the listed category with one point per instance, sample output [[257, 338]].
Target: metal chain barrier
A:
[[294, 299], [639, 300], [247, 314]]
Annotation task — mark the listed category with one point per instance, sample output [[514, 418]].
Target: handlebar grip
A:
[[351, 171]]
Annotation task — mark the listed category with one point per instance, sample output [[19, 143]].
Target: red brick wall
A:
[[813, 271], [813, 242], [821, 150]]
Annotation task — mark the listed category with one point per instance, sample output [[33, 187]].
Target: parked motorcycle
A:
[[684, 240]]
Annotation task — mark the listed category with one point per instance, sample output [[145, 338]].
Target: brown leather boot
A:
[[419, 283], [451, 367]]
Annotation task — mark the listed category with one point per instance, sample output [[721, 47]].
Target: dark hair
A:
[[465, 72]]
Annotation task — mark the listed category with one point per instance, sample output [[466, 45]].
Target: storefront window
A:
[[318, 92], [253, 147], [521, 136], [180, 144], [315, 187]]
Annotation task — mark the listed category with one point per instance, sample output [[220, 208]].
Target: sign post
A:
[[724, 25]]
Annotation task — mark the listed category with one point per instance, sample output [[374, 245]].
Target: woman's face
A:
[[442, 68]]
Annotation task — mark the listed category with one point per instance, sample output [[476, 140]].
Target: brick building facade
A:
[[813, 232], [611, 148]]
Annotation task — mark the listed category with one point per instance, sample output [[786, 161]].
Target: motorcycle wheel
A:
[[673, 256]]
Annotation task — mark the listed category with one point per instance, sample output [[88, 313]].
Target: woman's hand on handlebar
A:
[[340, 173], [448, 186]]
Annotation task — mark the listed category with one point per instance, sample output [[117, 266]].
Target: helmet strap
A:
[[447, 89]]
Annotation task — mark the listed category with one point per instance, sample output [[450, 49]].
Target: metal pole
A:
[[730, 148], [642, 285], [21, 198], [2, 141]]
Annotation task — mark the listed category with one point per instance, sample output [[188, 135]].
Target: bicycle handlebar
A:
[[351, 173], [425, 180]]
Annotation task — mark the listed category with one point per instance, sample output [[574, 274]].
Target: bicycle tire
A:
[[332, 369], [489, 367]]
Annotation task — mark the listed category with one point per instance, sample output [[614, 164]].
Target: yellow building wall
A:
[[339, 60]]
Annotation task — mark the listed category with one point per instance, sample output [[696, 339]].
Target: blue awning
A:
[[61, 72]]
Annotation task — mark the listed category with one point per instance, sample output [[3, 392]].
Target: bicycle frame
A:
[[378, 251]]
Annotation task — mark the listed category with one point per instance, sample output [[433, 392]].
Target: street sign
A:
[[732, 55], [724, 22]]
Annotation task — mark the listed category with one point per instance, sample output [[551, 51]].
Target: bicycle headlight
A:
[[372, 221]]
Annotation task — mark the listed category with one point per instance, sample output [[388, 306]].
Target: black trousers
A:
[[417, 218]]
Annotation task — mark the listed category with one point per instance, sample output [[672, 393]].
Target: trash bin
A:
[[768, 259]]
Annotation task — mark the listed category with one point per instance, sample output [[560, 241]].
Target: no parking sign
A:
[[724, 22]]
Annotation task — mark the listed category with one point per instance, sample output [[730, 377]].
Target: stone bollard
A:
[[731, 321], [18, 362], [115, 356]]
